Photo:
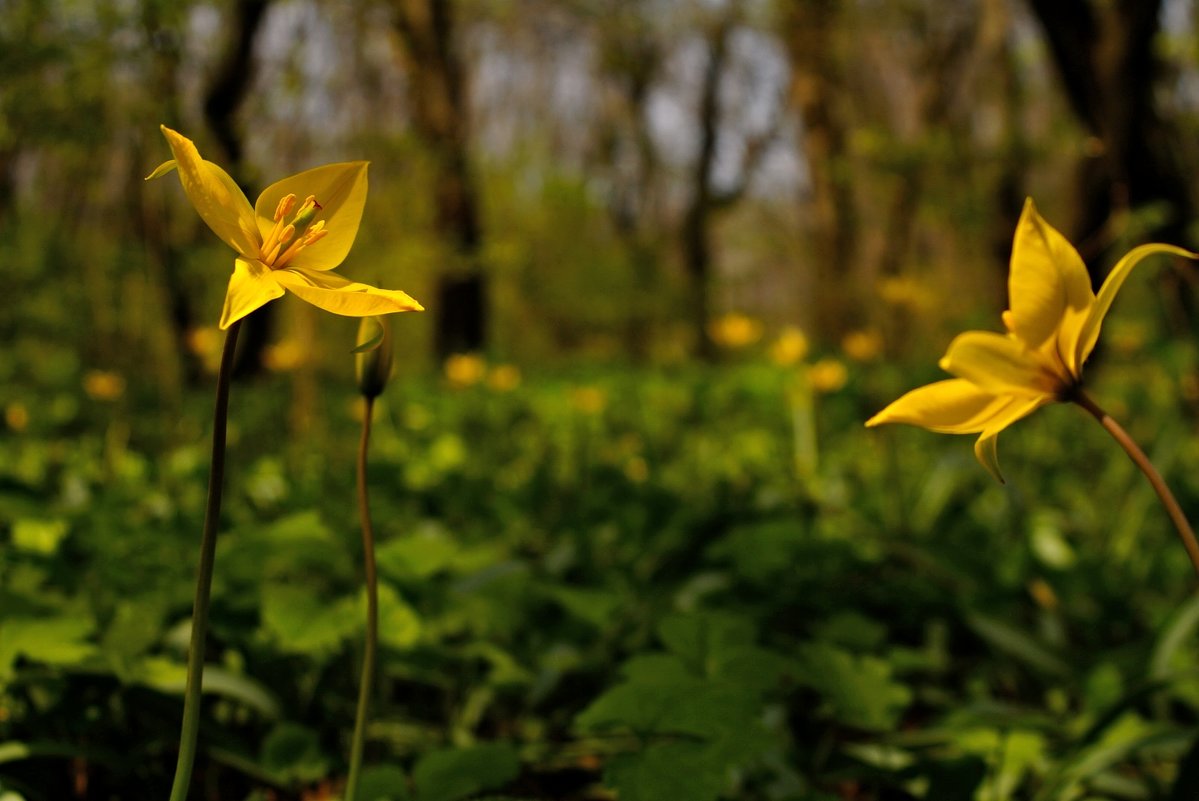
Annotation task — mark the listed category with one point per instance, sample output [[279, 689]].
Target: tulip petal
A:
[[1082, 342], [218, 200], [1000, 365], [1047, 278], [954, 406], [162, 169], [985, 448], [251, 286], [333, 293], [340, 189]]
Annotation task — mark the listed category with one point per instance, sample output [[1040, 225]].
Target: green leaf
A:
[[299, 622], [1119, 742], [425, 552], [645, 705], [454, 773], [293, 752], [702, 638], [383, 783], [39, 536], [851, 630], [168, 676], [597, 607], [1170, 644], [399, 625], [54, 641], [135, 628], [670, 771], [859, 690], [1004, 637]]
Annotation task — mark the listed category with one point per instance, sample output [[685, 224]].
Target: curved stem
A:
[[212, 519], [366, 683], [1142, 461]]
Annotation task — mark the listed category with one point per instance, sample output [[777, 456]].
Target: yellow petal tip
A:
[[162, 169]]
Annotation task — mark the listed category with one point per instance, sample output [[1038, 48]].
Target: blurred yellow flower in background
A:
[[906, 292], [103, 385], [863, 345], [465, 369], [504, 377], [789, 347], [284, 356], [204, 342], [735, 330], [589, 400], [828, 375], [16, 416]]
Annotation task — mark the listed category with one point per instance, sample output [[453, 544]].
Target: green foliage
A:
[[454, 773], [640, 594]]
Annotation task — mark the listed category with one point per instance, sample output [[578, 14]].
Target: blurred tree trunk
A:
[[440, 118], [230, 84], [1010, 187], [161, 27], [830, 215], [705, 199], [1104, 52], [631, 57], [944, 65], [696, 230]]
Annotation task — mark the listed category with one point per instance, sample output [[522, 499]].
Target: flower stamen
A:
[[273, 253], [282, 209]]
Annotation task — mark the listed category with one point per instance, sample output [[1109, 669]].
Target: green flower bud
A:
[[372, 357]]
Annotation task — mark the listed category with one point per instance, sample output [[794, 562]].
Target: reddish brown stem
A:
[[1142, 461]]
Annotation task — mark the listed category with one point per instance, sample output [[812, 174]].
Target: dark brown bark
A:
[[427, 34], [1104, 53], [830, 214], [696, 233], [631, 57], [230, 84], [148, 217]]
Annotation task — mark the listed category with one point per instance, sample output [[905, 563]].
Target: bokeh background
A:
[[635, 541]]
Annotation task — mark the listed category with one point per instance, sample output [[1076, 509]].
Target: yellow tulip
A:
[[281, 247], [1052, 327]]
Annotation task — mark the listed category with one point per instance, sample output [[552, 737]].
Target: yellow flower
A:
[[16, 416], [103, 385], [827, 375], [863, 345], [790, 347], [504, 377], [285, 356], [588, 400], [1052, 325], [734, 330], [284, 244], [465, 369]]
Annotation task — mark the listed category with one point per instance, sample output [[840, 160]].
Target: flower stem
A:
[[366, 683], [212, 519], [1142, 461]]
